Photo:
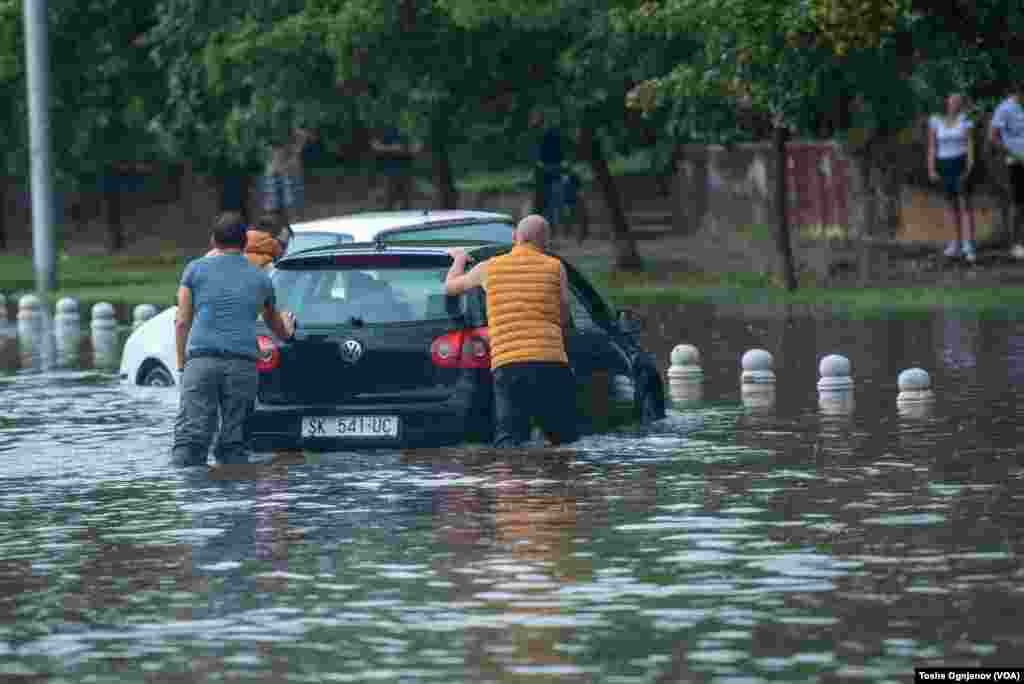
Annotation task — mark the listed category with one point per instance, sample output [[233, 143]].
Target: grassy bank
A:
[[90, 279], [126, 281]]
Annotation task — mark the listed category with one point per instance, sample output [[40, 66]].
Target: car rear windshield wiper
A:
[[356, 321]]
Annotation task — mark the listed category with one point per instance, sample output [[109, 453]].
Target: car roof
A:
[[479, 252], [365, 226]]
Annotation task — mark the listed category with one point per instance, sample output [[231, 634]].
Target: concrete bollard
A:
[[66, 312], [915, 386], [916, 397], [142, 313], [835, 387], [104, 348], [685, 376], [67, 331], [103, 317], [30, 308], [835, 373], [686, 393], [757, 369], [685, 363]]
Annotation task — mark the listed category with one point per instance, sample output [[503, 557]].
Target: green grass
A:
[[91, 279], [134, 280]]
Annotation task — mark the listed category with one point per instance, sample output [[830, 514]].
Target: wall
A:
[[721, 189]]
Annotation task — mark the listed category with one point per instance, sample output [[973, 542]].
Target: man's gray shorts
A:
[[212, 388]]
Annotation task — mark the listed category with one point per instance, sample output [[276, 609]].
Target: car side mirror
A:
[[630, 322]]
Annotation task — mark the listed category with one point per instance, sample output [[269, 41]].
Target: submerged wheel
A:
[[157, 376], [649, 405]]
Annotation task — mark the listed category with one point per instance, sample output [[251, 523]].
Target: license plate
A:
[[349, 426]]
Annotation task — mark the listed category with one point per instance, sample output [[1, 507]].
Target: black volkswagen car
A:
[[382, 357]]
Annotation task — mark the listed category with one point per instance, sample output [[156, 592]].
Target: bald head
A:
[[533, 229]]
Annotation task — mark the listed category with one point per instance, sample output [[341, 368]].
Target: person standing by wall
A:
[[283, 182], [219, 299], [549, 170], [950, 161], [394, 160], [1007, 134], [528, 314]]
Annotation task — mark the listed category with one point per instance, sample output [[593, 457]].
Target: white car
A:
[[405, 225], [149, 355]]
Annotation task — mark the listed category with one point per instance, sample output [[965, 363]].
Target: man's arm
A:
[[458, 281], [995, 129], [183, 324], [932, 173], [566, 318], [281, 323]]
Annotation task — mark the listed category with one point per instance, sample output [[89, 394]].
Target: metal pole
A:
[[37, 63]]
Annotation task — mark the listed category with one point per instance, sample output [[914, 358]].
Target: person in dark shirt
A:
[[220, 297], [549, 171], [394, 160]]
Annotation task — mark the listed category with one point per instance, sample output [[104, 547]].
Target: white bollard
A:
[[757, 369], [30, 308], [685, 363], [916, 397], [104, 347], [66, 312], [142, 313], [686, 393], [915, 386], [835, 374], [103, 316], [835, 387], [758, 397], [685, 376]]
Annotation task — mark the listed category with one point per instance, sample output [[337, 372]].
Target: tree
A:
[[412, 61], [583, 66], [103, 90]]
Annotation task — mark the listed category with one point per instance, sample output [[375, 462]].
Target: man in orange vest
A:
[[528, 313]]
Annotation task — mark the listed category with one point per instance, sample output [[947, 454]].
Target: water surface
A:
[[792, 541]]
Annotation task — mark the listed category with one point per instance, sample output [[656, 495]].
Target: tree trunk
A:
[[186, 190], [626, 256], [882, 190], [783, 243], [445, 196], [3, 212], [112, 204], [244, 193]]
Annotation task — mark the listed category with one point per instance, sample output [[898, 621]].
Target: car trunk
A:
[[353, 349], [395, 366]]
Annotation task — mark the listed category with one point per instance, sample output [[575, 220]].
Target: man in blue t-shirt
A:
[[220, 297]]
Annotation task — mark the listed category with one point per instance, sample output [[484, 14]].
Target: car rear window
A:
[[366, 294], [301, 241], [484, 232]]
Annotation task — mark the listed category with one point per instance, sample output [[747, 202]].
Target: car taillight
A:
[[269, 356], [462, 349]]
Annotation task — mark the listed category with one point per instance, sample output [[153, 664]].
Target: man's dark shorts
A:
[[543, 391]]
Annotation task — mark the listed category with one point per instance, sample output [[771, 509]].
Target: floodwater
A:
[[785, 539]]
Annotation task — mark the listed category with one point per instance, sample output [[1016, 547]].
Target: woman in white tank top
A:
[[950, 161]]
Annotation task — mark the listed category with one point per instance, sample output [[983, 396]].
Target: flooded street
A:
[[731, 542]]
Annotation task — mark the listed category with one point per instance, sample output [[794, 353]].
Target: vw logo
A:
[[351, 351]]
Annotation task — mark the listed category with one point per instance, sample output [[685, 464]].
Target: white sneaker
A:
[[1017, 252], [952, 249]]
